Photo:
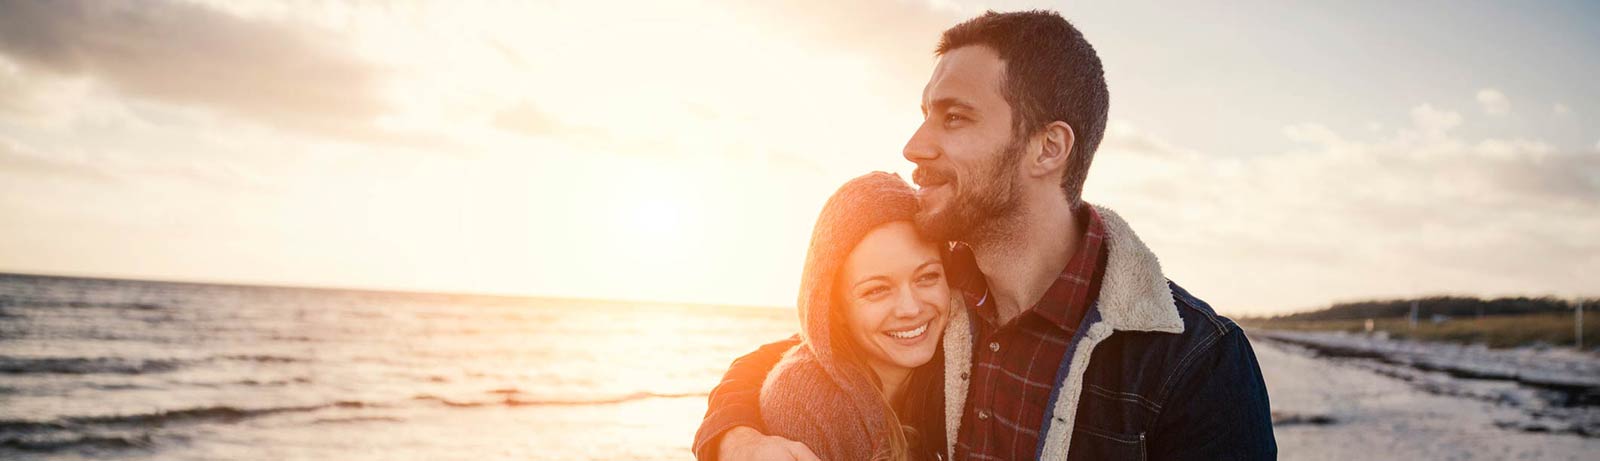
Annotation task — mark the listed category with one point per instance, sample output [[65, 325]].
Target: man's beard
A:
[[982, 201]]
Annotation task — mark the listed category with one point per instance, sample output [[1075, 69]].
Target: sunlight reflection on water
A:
[[136, 370]]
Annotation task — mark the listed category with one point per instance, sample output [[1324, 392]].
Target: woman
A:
[[864, 382]]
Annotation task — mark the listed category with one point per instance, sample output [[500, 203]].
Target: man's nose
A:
[[920, 147]]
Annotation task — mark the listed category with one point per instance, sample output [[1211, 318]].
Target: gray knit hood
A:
[[816, 393], [858, 207]]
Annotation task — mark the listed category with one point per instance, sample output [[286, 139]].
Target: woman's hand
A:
[[746, 444]]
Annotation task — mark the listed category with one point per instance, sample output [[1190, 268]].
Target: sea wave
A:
[[259, 358], [221, 413], [107, 432], [510, 399], [77, 442], [129, 431], [87, 365], [7, 301], [122, 365]]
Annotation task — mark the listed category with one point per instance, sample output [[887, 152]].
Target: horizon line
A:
[[423, 292], [406, 291]]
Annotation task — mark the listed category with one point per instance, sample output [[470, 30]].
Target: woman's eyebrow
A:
[[869, 279]]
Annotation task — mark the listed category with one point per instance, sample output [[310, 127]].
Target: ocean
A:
[[135, 370]]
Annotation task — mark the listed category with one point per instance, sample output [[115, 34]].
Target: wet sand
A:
[[1333, 410]]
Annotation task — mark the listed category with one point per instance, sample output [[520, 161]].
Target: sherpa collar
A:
[[1134, 295]]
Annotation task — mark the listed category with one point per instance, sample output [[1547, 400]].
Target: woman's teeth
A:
[[909, 334]]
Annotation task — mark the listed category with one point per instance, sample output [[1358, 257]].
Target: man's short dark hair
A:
[[1051, 74]]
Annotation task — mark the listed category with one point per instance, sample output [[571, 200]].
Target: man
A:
[[1079, 347]]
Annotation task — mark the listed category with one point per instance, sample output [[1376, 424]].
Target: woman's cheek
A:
[[937, 295]]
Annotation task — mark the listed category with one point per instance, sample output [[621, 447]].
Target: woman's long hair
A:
[[896, 447]]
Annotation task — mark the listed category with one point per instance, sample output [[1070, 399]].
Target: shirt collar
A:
[[1066, 301]]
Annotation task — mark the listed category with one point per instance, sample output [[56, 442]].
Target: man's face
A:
[[965, 153]]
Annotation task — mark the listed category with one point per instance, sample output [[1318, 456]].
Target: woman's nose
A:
[[908, 306]]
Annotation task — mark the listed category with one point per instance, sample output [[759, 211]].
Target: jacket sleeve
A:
[[737, 400], [1219, 410]]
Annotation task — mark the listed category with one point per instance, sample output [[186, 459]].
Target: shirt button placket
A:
[[994, 349]]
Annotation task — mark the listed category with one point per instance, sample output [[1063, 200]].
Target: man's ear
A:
[[1055, 148]]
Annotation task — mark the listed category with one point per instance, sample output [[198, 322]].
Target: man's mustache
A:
[[926, 174]]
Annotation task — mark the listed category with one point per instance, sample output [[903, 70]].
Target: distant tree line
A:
[[1452, 306]]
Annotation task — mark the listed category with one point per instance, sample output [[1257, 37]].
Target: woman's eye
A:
[[875, 292], [931, 277]]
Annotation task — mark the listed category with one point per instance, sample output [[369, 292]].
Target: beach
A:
[[1340, 410], [101, 369], [104, 369]]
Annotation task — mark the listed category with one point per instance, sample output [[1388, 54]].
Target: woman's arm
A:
[[736, 401], [802, 403]]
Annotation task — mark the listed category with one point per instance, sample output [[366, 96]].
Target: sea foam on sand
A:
[[1343, 409]]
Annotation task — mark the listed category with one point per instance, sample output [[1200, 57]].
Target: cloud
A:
[[526, 118], [1122, 137], [21, 160], [100, 166], [1493, 102], [186, 54], [1561, 109], [896, 35], [1433, 122], [1421, 210], [1311, 133]]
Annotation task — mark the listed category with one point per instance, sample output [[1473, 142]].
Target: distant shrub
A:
[[1450, 306]]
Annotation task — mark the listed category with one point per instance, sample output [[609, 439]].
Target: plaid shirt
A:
[[1014, 365]]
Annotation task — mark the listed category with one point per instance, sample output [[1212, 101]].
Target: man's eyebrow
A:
[[949, 102]]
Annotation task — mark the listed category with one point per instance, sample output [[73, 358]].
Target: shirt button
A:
[[983, 415], [994, 347], [963, 376]]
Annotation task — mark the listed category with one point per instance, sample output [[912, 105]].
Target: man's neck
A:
[[1023, 254]]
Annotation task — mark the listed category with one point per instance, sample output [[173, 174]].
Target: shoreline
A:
[[1340, 408]]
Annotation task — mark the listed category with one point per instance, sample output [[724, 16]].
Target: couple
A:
[[992, 314]]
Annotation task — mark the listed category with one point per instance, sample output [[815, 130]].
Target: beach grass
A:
[[1554, 329]]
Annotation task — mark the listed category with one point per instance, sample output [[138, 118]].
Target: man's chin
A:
[[937, 225], [933, 197]]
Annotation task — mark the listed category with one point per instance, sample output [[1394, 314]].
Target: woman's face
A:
[[895, 296]]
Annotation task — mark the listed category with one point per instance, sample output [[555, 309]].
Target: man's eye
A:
[[952, 118]]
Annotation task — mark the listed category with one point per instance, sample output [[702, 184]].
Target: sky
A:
[[1277, 156]]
